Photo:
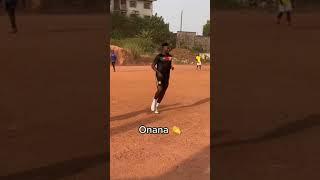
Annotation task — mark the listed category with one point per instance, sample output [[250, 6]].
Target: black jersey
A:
[[163, 62]]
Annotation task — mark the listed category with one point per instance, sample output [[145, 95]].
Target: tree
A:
[[206, 29], [153, 28], [158, 29]]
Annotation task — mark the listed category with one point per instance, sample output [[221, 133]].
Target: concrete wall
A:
[[190, 40], [203, 42], [185, 39]]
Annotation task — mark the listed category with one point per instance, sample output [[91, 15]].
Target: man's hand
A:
[[172, 68]]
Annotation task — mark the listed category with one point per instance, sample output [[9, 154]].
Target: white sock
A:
[[157, 105], [153, 107]]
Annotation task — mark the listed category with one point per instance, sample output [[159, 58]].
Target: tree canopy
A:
[[206, 29]]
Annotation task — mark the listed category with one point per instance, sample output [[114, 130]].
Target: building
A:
[[142, 8], [190, 40]]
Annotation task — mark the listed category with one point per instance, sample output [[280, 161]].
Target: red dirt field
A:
[[51, 111], [266, 114], [186, 105]]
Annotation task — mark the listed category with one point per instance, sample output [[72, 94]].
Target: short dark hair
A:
[[164, 44]]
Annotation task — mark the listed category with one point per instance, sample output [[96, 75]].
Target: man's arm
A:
[[153, 65]]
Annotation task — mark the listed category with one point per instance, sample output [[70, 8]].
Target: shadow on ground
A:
[[290, 128], [202, 101], [136, 113], [149, 119], [59, 170]]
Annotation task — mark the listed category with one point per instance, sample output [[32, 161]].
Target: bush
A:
[[153, 28], [124, 27], [206, 29], [137, 46]]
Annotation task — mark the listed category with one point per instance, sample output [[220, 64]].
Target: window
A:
[[123, 2], [123, 13], [146, 16], [147, 5], [133, 4], [134, 14]]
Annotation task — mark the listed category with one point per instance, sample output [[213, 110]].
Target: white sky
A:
[[195, 13]]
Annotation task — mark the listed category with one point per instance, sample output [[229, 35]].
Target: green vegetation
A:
[[206, 29], [137, 46], [140, 35]]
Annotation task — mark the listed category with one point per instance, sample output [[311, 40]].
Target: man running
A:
[[10, 6], [285, 6], [113, 60], [162, 65], [198, 59]]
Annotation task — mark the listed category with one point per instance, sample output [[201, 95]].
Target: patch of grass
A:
[[137, 46]]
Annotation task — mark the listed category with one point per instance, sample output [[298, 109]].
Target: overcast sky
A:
[[195, 13]]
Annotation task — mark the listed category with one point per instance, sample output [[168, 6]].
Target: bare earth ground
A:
[[266, 118], [51, 111], [186, 105]]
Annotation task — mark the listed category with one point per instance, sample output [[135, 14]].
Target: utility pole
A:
[[181, 21]]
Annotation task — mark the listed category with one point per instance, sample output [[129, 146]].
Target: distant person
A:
[[162, 65], [113, 60], [198, 59], [10, 6], [285, 6]]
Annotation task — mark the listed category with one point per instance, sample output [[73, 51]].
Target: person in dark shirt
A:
[[113, 60], [10, 6], [162, 65]]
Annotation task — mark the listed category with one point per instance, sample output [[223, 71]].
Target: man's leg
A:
[[114, 67], [156, 97], [157, 94], [280, 14], [289, 18], [12, 17], [160, 97], [161, 94]]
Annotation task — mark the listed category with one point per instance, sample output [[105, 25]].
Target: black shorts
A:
[[164, 80]]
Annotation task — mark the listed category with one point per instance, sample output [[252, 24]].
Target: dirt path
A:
[[267, 116], [49, 72], [186, 105]]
